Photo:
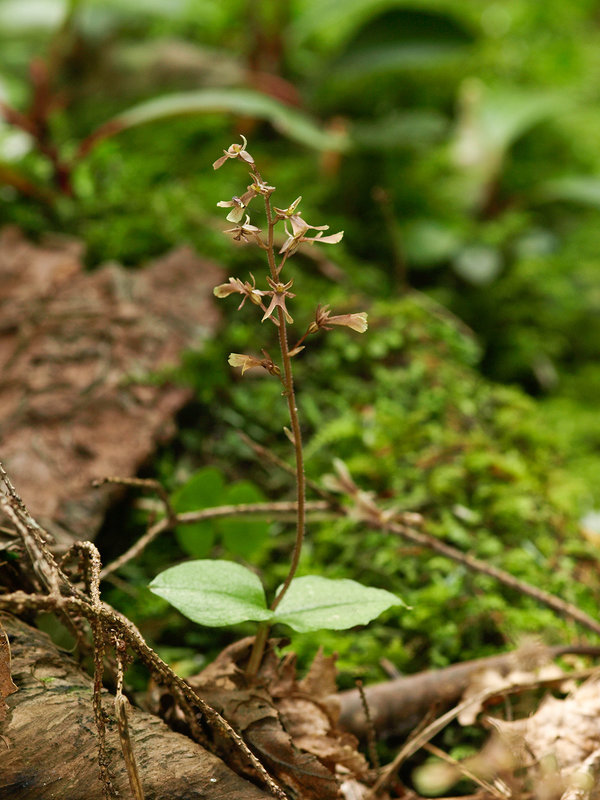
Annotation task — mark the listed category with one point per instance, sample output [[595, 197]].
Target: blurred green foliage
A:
[[467, 171], [407, 410]]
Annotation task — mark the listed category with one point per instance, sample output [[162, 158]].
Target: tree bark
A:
[[49, 746]]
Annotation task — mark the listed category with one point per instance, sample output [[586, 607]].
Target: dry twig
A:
[[415, 743], [123, 725], [485, 785], [106, 623], [189, 517]]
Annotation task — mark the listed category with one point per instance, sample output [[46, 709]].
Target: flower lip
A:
[[247, 362], [300, 228], [235, 285], [225, 289], [244, 361], [357, 321]]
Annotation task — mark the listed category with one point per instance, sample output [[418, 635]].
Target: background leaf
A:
[[581, 189], [401, 39], [204, 489], [213, 593], [313, 603], [243, 536], [478, 264], [245, 102]]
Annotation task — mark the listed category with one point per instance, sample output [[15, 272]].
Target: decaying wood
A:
[[48, 741], [7, 685], [77, 350], [397, 706], [109, 626]]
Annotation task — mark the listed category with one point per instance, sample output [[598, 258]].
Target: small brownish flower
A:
[[358, 322], [252, 293], [231, 287], [235, 285], [323, 319], [238, 205], [244, 361], [286, 213], [248, 362], [234, 151], [245, 232], [278, 295], [260, 187], [298, 235]]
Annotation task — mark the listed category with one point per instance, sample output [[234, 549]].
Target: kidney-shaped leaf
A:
[[213, 593], [314, 603]]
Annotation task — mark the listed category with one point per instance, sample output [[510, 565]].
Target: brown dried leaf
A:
[[6, 683], [568, 730], [529, 662], [300, 771], [286, 722], [320, 678]]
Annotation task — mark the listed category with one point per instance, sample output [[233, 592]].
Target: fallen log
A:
[[79, 349], [397, 706], [48, 739]]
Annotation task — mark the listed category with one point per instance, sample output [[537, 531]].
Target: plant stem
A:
[[300, 479], [288, 383], [258, 648]]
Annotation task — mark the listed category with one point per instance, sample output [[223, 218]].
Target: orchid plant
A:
[[219, 592]]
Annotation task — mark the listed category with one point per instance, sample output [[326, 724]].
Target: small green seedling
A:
[[217, 592]]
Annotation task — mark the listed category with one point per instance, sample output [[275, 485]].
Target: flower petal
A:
[[236, 214], [333, 238], [244, 361], [220, 161], [358, 322]]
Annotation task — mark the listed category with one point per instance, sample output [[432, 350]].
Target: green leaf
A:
[[243, 536], [213, 593], [478, 264], [18, 17], [429, 242], [400, 39], [313, 603], [331, 23], [378, 60], [205, 488], [493, 119], [245, 102], [583, 189], [398, 130]]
